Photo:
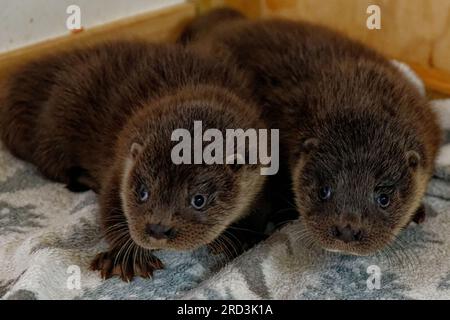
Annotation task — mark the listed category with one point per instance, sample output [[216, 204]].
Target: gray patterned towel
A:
[[48, 236]]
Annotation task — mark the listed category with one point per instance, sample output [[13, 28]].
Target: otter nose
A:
[[159, 231], [347, 233]]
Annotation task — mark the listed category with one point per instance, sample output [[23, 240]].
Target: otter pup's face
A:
[[356, 193], [182, 207]]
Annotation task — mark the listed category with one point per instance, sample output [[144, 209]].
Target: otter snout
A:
[[159, 231], [347, 233]]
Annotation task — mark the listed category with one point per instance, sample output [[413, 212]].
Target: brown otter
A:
[[359, 140], [102, 118]]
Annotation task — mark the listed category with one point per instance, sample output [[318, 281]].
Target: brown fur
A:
[[77, 116], [348, 119]]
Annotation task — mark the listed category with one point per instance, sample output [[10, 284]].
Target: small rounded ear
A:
[[413, 158], [235, 161], [135, 150], [420, 214], [309, 145]]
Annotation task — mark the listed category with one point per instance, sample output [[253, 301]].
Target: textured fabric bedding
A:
[[48, 236]]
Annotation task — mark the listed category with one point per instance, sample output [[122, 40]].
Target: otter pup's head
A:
[[359, 181], [184, 206]]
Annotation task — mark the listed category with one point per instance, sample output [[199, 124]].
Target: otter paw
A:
[[145, 270], [106, 263]]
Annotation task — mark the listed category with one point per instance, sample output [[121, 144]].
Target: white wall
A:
[[23, 22]]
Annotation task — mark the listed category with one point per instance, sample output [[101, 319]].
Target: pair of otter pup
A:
[[357, 139]]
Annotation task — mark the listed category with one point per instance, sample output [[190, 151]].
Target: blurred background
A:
[[414, 31], [25, 22]]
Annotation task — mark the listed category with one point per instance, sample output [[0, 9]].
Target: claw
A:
[[104, 262]]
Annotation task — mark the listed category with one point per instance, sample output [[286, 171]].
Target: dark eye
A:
[[142, 193], [383, 200], [325, 193], [198, 201]]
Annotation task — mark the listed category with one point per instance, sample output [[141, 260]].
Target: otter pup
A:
[[102, 118], [359, 140]]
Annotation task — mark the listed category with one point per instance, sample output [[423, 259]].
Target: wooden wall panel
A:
[[415, 31], [252, 8], [424, 39]]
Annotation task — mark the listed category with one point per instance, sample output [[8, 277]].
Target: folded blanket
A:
[[48, 236]]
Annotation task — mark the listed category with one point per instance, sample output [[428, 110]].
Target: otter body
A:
[[359, 140], [102, 118]]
